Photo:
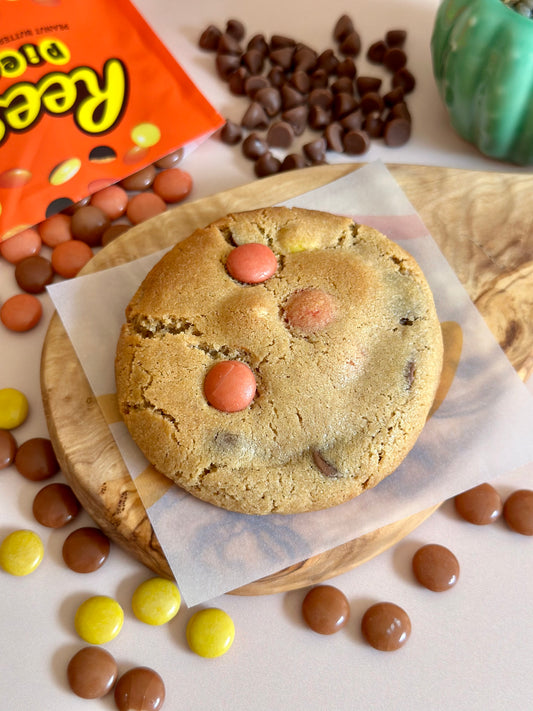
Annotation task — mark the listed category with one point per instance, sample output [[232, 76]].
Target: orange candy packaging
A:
[[88, 95]]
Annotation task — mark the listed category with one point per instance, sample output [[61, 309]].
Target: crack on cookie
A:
[[147, 327], [403, 264], [227, 234]]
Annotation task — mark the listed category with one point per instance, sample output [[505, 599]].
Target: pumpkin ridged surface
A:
[[483, 64]]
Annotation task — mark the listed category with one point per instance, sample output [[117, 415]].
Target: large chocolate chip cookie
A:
[[279, 360]]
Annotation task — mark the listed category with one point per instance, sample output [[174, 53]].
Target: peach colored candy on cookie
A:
[[69, 257], [24, 244], [112, 201], [251, 263], [173, 184], [55, 229], [143, 206], [230, 386], [310, 310], [21, 312]]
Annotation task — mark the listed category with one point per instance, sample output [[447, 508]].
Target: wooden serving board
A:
[[483, 223]]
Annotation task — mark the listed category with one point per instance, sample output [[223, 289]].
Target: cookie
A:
[[322, 336]]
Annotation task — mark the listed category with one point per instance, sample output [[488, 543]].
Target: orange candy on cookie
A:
[[251, 263], [230, 386]]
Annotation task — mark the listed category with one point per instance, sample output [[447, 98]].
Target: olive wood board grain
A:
[[482, 222]]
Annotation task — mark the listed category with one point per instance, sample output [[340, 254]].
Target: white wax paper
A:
[[481, 431]]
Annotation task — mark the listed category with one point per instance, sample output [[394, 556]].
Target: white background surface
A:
[[470, 647]]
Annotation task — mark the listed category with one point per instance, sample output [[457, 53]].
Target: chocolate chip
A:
[[343, 85], [397, 132], [237, 81], [276, 77], [255, 82], [230, 133], [333, 135], [290, 97], [321, 97], [280, 134], [343, 105], [346, 68], [226, 64], [228, 45], [254, 146], [259, 43], [399, 110], [404, 79], [301, 81], [319, 79], [351, 44], [280, 41], [366, 84], [353, 121], [376, 52], [270, 99], [325, 467], [356, 142], [394, 96], [253, 60], [343, 27], [255, 117], [327, 61], [315, 150], [374, 125], [235, 29], [282, 57], [297, 117], [318, 117], [395, 38], [304, 59], [370, 102], [394, 59], [210, 38], [293, 161], [409, 373], [267, 164]]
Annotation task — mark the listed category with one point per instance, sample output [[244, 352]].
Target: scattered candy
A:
[[33, 274], [55, 229], [386, 626], [21, 312], [251, 263], [88, 224], [156, 601], [35, 459], [112, 201], [480, 505], [92, 673], [172, 185], [139, 689], [518, 511], [24, 244], [99, 619], [141, 180], [230, 386], [13, 408], [86, 549], [210, 632], [21, 552], [143, 206], [69, 257], [435, 567], [8, 449], [325, 609], [55, 505]]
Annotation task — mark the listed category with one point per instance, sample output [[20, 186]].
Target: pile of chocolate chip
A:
[[291, 87]]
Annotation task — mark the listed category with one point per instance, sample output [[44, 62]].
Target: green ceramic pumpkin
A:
[[482, 53]]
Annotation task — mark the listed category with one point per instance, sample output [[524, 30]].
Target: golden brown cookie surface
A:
[[343, 342]]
